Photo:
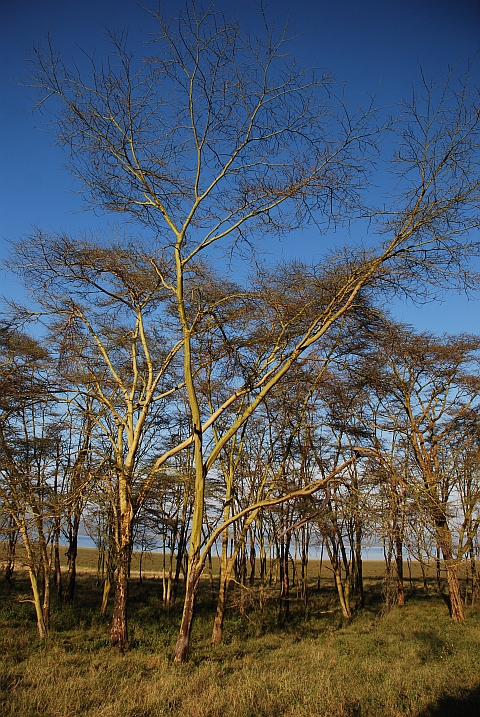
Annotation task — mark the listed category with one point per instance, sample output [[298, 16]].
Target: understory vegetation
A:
[[410, 660]]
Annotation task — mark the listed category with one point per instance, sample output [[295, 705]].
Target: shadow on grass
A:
[[449, 706]]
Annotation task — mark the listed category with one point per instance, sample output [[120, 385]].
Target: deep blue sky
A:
[[373, 45]]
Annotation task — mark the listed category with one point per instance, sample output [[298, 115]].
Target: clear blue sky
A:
[[373, 45]]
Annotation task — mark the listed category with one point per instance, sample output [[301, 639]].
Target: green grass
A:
[[412, 661]]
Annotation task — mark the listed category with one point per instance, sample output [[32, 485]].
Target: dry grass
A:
[[153, 565], [413, 661]]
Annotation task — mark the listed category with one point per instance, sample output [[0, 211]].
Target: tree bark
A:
[[456, 606], [41, 626], [457, 611], [183, 642], [119, 629]]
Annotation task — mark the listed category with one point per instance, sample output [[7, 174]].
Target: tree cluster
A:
[[168, 403]]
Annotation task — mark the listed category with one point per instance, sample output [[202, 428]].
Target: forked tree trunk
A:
[[343, 591], [32, 573], [343, 586]]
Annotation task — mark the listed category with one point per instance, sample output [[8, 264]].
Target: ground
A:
[[407, 661]]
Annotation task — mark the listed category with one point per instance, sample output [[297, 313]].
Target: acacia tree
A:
[[30, 457], [429, 386], [117, 371], [78, 475], [465, 464], [388, 475], [260, 462], [217, 139]]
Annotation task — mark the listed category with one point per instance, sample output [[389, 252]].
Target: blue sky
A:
[[374, 46]]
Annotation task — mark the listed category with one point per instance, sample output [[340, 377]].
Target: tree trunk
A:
[[226, 566], [252, 559], [444, 537], [358, 576], [41, 626], [304, 565], [182, 546], [343, 586], [107, 586], [343, 592], [476, 592], [399, 565], [183, 642], [46, 594], [45, 566], [119, 629], [11, 548], [72, 552], [108, 572], [410, 577], [285, 579], [217, 632], [424, 575], [457, 611], [438, 574], [56, 563], [320, 565]]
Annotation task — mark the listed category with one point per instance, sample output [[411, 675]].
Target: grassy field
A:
[[411, 661], [153, 566]]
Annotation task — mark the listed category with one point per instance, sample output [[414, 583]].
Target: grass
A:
[[412, 661]]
